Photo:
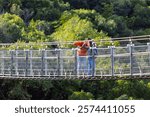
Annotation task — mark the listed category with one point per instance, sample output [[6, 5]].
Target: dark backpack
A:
[[95, 51]]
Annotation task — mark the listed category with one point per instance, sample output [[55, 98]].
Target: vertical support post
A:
[[16, 58], [3, 63], [12, 61], [75, 59], [112, 59], [148, 48], [31, 70], [93, 60], [46, 68], [42, 62], [130, 46], [61, 63], [58, 61], [26, 67]]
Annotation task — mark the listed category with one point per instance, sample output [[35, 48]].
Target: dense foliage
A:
[[69, 20]]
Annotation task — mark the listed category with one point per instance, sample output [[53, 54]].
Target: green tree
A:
[[10, 27], [13, 90], [15, 9], [88, 4], [140, 17], [76, 29], [122, 28], [99, 22], [5, 5], [123, 7], [44, 9], [81, 95], [36, 31], [108, 10]]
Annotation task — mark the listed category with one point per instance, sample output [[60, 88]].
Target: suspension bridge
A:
[[131, 60]]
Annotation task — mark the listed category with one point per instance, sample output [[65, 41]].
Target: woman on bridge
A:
[[82, 53], [86, 49]]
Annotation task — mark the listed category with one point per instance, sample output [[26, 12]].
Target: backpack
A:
[[92, 51], [95, 51]]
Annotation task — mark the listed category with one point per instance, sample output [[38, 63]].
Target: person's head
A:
[[89, 39], [94, 44]]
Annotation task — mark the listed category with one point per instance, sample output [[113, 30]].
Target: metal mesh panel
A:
[[111, 61], [37, 62], [51, 62], [67, 62], [103, 62], [121, 61], [141, 58], [7, 62]]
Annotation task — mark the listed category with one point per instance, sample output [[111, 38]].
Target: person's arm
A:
[[85, 45]]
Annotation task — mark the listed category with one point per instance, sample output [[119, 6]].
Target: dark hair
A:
[[90, 43], [89, 38]]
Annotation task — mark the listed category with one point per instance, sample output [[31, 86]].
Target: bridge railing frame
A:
[[43, 57]]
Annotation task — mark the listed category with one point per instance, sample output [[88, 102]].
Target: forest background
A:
[[36, 21]]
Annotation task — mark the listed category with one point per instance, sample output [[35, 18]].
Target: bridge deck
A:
[[128, 62]]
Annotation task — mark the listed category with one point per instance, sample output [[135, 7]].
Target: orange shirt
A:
[[78, 43], [83, 51]]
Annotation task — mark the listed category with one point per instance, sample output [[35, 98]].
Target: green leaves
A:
[[75, 29], [71, 20], [37, 31], [10, 27], [79, 25], [48, 10], [34, 31], [15, 9], [81, 96]]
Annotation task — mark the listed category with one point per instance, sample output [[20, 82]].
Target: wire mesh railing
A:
[[123, 41], [110, 62]]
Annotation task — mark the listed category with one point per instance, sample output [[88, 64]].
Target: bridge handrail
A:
[[120, 39], [112, 61]]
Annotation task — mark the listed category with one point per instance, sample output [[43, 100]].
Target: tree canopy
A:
[[36, 21]]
